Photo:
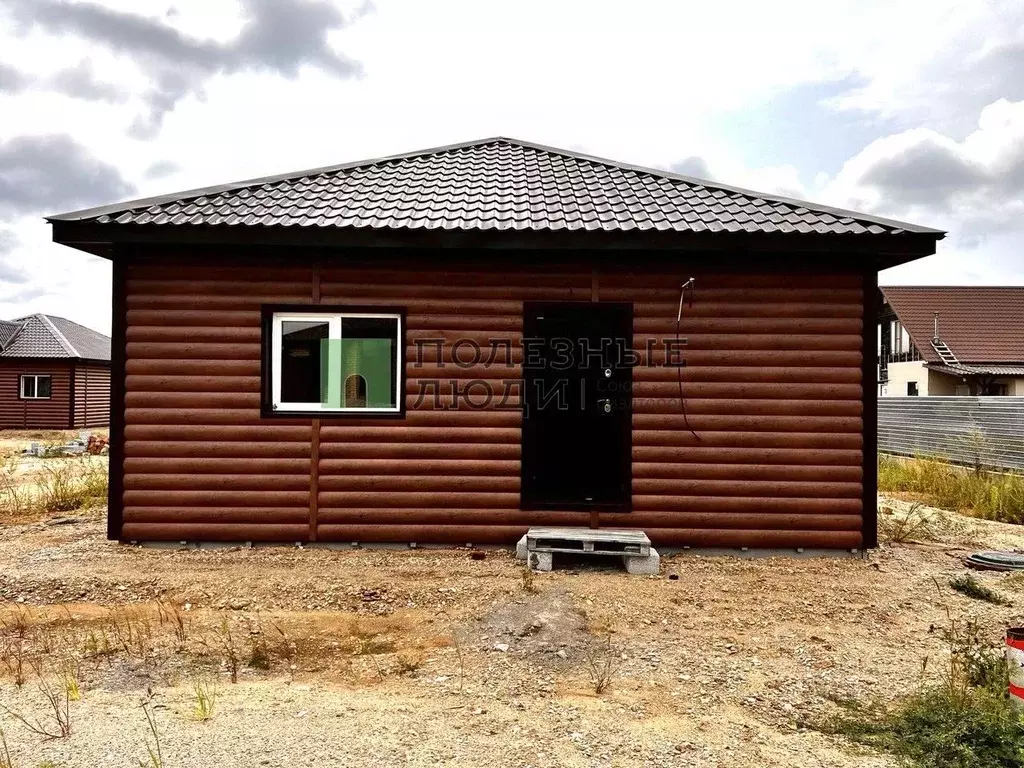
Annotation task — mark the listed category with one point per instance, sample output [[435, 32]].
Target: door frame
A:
[[626, 454]]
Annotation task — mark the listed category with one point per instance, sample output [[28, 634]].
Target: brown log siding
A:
[[772, 386], [52, 413], [92, 395]]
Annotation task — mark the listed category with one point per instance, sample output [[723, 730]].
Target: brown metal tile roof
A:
[[492, 184], [8, 330], [54, 337], [985, 369], [980, 324]]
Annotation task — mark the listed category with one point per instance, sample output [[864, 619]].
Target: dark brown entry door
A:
[[577, 406]]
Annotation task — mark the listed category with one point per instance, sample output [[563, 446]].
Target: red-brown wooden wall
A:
[[52, 413], [773, 388], [91, 400], [92, 395]]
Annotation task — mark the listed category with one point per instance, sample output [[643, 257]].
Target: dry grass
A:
[[529, 581], [988, 495], [911, 524], [31, 487], [162, 642], [1014, 581]]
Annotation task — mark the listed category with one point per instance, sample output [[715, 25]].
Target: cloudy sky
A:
[[912, 109]]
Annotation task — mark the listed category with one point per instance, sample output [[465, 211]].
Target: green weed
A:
[[204, 694], [969, 586], [965, 720]]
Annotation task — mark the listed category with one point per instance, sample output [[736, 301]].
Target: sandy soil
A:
[[428, 657]]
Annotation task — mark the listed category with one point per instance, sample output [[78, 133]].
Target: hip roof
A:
[[492, 184]]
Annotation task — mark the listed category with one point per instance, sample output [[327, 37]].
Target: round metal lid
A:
[[996, 561]]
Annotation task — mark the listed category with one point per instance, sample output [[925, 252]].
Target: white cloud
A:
[[643, 82], [974, 188]]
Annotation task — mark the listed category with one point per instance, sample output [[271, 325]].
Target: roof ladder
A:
[[944, 352]]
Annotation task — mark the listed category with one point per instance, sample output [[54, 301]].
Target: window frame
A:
[[272, 315], [37, 376]]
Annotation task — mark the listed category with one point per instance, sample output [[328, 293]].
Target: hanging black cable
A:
[[688, 285]]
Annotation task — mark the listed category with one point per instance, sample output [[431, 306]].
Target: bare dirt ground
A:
[[371, 657], [13, 441], [427, 657]]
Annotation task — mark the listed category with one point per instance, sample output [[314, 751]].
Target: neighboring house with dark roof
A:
[[54, 374], [951, 340], [452, 345]]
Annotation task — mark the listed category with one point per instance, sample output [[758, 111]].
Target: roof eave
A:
[[887, 250]]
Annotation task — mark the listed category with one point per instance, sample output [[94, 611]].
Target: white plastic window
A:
[[36, 387], [336, 362]]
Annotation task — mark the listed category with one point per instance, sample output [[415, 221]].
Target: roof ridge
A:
[[193, 194], [61, 338]]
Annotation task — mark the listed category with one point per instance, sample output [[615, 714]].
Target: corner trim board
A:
[[869, 393], [118, 351], [71, 396]]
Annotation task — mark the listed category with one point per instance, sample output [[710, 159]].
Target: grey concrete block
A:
[[643, 566], [541, 561], [521, 549]]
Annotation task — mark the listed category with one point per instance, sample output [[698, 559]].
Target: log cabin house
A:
[[451, 345], [54, 374]]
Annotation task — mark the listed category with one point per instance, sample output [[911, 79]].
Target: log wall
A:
[[772, 387], [92, 395], [51, 413]]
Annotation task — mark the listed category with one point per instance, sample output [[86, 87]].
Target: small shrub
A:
[[14, 658], [602, 660], [58, 726], [970, 587], [17, 624], [93, 480], [973, 661], [70, 484], [97, 644]]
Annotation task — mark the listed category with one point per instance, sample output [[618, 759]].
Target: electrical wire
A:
[[689, 284]]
